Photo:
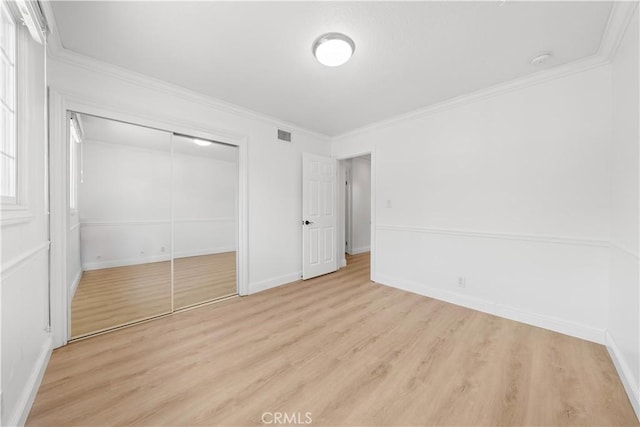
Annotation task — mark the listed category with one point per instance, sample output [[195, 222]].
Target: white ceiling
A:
[[114, 132], [258, 54]]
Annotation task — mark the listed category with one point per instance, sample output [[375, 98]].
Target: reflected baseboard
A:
[[98, 265]]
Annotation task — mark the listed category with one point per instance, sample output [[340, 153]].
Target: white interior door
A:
[[319, 215]]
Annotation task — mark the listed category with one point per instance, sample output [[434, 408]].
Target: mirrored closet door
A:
[[152, 223], [204, 208]]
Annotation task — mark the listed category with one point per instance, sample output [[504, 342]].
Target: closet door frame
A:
[[60, 104]]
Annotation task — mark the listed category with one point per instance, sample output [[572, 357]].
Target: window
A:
[[74, 145], [8, 145]]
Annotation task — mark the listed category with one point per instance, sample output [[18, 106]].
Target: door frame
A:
[[340, 194], [60, 103]]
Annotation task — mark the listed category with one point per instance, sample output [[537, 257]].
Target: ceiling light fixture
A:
[[541, 58], [201, 142], [333, 49]]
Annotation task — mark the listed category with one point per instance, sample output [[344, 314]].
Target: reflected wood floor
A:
[[346, 350], [203, 278], [115, 296]]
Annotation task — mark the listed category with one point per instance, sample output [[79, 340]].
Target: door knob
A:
[[307, 222]]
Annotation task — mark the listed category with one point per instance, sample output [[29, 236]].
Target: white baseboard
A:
[[209, 251], [630, 385], [552, 323], [487, 306], [273, 282], [25, 402], [97, 265], [74, 285], [360, 250], [439, 294], [343, 263], [153, 258]]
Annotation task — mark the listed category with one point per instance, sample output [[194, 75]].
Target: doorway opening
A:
[[355, 205]]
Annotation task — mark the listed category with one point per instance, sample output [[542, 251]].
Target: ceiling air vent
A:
[[283, 135]]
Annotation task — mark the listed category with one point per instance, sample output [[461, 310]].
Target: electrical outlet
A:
[[389, 203], [462, 282], [162, 249]]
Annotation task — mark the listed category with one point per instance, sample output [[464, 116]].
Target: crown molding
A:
[[130, 77], [619, 18], [519, 83], [59, 53]]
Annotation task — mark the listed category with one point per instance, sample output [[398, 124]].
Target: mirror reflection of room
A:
[[205, 231], [152, 223]]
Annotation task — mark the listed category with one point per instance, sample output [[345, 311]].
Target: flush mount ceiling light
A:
[[541, 58], [333, 49], [201, 142]]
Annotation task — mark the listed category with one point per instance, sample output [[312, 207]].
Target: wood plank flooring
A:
[[203, 278], [346, 350], [115, 296]]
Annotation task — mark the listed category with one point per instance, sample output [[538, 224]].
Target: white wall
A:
[[125, 204], [509, 192], [26, 343], [275, 168], [205, 200], [360, 205], [623, 334]]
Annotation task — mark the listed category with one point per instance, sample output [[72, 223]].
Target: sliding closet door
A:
[[205, 177], [124, 215]]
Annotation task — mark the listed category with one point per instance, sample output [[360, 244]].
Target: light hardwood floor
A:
[[346, 350], [115, 296]]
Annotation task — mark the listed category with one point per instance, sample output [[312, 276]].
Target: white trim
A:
[[373, 244], [487, 306], [74, 285], [58, 53], [60, 104], [58, 220], [9, 267], [28, 396], [624, 372], [519, 83], [564, 240], [199, 220], [117, 223], [479, 304], [88, 266], [18, 211], [17, 214], [360, 250], [125, 262], [172, 226], [273, 282], [201, 252], [622, 248], [341, 218], [123, 222], [619, 18], [552, 323]]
